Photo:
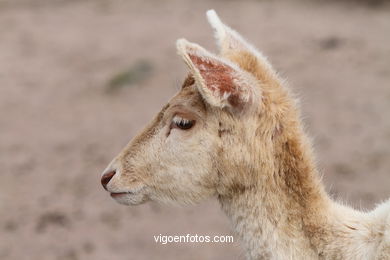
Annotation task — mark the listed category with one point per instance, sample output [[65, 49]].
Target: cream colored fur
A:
[[248, 149]]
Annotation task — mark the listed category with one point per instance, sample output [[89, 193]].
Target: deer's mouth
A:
[[119, 194], [129, 197]]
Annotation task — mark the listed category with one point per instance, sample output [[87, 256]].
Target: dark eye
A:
[[182, 123]]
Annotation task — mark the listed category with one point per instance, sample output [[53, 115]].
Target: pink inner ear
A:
[[217, 76]]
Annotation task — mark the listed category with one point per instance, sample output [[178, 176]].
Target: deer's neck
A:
[[279, 216], [284, 212]]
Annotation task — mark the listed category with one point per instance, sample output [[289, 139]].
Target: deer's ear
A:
[[220, 82], [227, 38], [235, 48]]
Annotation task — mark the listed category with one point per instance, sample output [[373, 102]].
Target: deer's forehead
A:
[[190, 99]]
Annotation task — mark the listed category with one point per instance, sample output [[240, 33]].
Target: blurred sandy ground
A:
[[79, 78]]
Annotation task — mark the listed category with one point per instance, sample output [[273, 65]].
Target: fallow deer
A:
[[234, 132]]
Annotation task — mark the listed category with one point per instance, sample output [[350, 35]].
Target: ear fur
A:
[[227, 38], [220, 82], [234, 47]]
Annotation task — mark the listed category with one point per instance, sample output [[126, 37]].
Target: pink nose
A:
[[106, 178]]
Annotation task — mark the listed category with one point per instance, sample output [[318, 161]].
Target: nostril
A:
[[106, 178]]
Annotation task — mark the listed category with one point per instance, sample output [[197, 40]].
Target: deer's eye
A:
[[182, 123]]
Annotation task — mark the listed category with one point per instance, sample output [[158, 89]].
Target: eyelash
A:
[[182, 123]]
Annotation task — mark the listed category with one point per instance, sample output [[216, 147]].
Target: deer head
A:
[[205, 141]]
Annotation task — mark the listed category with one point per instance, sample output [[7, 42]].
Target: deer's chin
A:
[[129, 199]]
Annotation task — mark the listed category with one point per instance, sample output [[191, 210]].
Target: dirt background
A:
[[78, 79]]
